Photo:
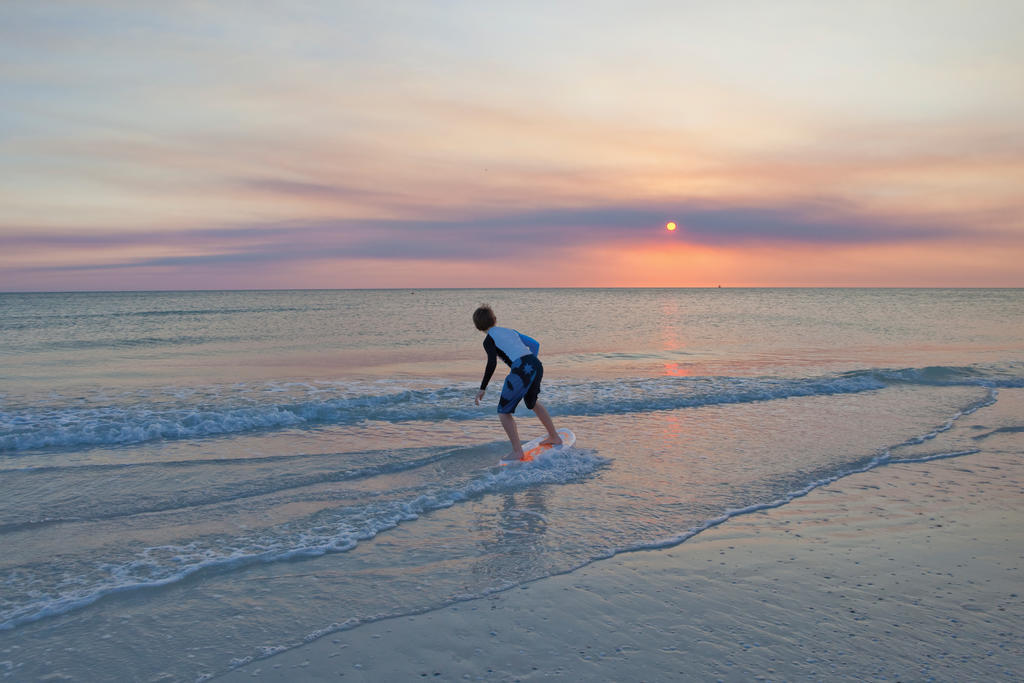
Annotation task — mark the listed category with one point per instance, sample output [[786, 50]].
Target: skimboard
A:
[[534, 447]]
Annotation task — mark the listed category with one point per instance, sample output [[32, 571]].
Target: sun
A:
[[670, 226]]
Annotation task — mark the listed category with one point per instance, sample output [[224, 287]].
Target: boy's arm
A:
[[492, 361]]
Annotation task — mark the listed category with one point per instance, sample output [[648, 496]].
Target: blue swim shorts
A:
[[523, 382]]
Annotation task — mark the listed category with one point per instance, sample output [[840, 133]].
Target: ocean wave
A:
[[884, 457], [872, 463], [134, 504], [137, 419], [996, 377], [329, 531], [335, 530], [129, 342], [158, 313]]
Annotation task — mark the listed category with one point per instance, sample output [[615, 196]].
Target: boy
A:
[[523, 382]]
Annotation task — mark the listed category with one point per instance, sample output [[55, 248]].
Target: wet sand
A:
[[909, 571]]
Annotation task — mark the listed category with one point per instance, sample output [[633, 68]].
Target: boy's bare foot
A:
[[552, 441]]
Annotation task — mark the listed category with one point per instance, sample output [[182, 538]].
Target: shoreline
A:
[[911, 570]]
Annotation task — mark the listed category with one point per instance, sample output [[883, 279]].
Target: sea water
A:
[[190, 481]]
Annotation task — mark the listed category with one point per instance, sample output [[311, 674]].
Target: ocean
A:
[[190, 481]]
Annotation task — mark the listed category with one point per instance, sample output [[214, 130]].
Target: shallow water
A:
[[192, 480]]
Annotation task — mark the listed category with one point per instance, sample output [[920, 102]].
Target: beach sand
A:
[[906, 572]]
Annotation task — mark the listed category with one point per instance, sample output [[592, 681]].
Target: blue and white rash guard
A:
[[510, 345]]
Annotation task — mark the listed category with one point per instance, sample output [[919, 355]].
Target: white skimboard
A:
[[534, 447]]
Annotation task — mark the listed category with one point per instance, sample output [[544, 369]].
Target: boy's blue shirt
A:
[[509, 339], [531, 343]]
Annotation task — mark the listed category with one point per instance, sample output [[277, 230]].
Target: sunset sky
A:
[[308, 144]]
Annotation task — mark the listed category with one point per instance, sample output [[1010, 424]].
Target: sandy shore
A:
[[906, 572]]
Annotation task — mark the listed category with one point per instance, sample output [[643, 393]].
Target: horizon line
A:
[[427, 289]]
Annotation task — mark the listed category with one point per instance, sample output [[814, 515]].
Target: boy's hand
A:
[[479, 396]]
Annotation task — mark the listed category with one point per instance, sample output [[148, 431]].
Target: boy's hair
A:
[[483, 318]]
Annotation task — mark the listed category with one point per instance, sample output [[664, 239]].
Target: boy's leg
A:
[[538, 408], [545, 419], [509, 423]]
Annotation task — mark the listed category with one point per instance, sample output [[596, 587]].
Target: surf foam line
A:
[[166, 565], [276, 484], [991, 397], [883, 458], [873, 463], [141, 420]]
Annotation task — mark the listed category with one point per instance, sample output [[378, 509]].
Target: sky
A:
[[337, 144]]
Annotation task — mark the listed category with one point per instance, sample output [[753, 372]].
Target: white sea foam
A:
[[342, 529], [883, 458], [218, 411], [339, 531]]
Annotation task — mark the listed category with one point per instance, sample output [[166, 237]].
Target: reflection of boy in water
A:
[[523, 382], [512, 538]]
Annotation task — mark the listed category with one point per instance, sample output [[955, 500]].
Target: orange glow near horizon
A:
[[676, 263]]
